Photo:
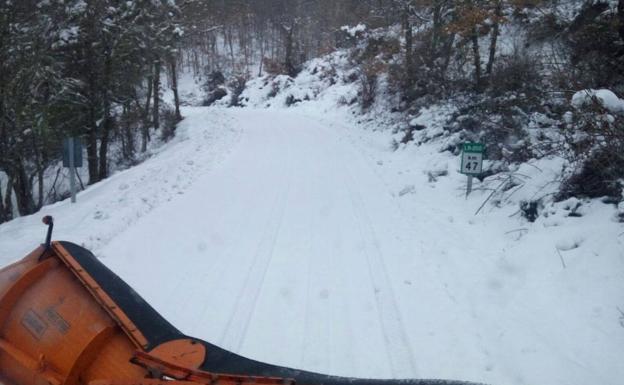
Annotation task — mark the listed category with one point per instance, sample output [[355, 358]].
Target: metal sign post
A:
[[472, 162], [469, 185], [72, 171], [72, 158]]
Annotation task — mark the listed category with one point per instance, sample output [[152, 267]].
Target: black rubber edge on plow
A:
[[158, 330]]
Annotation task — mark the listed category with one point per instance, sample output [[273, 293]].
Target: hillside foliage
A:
[[97, 70]]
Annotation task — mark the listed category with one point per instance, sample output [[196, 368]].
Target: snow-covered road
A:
[[281, 238], [280, 247]]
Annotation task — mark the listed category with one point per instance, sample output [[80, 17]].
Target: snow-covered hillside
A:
[[298, 237]]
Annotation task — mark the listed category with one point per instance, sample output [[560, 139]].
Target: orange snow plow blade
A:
[[66, 319]]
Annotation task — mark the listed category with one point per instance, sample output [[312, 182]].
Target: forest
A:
[[97, 70]]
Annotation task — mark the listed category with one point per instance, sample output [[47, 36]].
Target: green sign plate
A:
[[472, 158], [474, 147]]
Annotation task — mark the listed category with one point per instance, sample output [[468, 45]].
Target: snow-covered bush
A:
[[530, 210], [169, 123], [518, 73], [595, 41], [498, 122], [373, 59], [214, 88], [237, 85], [595, 142]]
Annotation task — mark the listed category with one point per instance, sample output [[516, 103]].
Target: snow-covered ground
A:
[[298, 238]]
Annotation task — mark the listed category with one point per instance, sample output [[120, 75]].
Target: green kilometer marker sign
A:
[[472, 158]]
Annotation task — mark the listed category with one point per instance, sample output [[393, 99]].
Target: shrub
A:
[[593, 39], [497, 122], [599, 176], [595, 142], [518, 73], [237, 86], [169, 122], [214, 96], [273, 67], [369, 75], [530, 210], [213, 87], [291, 100]]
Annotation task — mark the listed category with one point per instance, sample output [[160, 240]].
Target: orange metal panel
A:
[[13, 293], [101, 296], [186, 353], [27, 363], [52, 331], [89, 354], [10, 274], [59, 327]]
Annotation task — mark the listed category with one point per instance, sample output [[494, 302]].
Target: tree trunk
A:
[[174, 87], [477, 57], [2, 209], [127, 133], [409, 49], [92, 155], [448, 52], [620, 9], [230, 43], [23, 190], [289, 65], [436, 31], [145, 134], [494, 38], [40, 178], [7, 211], [38, 158], [262, 48], [107, 124], [156, 91], [104, 139]]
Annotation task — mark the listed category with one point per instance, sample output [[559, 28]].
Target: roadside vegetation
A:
[[529, 78]]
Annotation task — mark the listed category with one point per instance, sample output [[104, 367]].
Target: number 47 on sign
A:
[[472, 162]]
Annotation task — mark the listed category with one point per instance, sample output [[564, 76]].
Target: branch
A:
[[561, 257]]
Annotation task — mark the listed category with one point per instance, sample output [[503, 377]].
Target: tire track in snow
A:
[[219, 267], [398, 349], [319, 298], [434, 278], [318, 311], [235, 331]]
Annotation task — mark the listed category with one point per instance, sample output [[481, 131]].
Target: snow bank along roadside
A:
[[523, 303], [108, 208], [561, 276]]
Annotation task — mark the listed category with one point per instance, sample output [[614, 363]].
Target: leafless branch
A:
[[561, 257]]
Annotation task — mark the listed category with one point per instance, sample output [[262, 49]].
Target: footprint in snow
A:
[[569, 243], [407, 190], [100, 215], [285, 292]]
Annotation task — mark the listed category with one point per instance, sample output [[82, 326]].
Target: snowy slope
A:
[[297, 237], [110, 207]]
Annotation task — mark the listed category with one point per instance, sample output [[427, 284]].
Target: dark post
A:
[[48, 220]]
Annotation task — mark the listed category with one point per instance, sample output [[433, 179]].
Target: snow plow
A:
[[66, 319]]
